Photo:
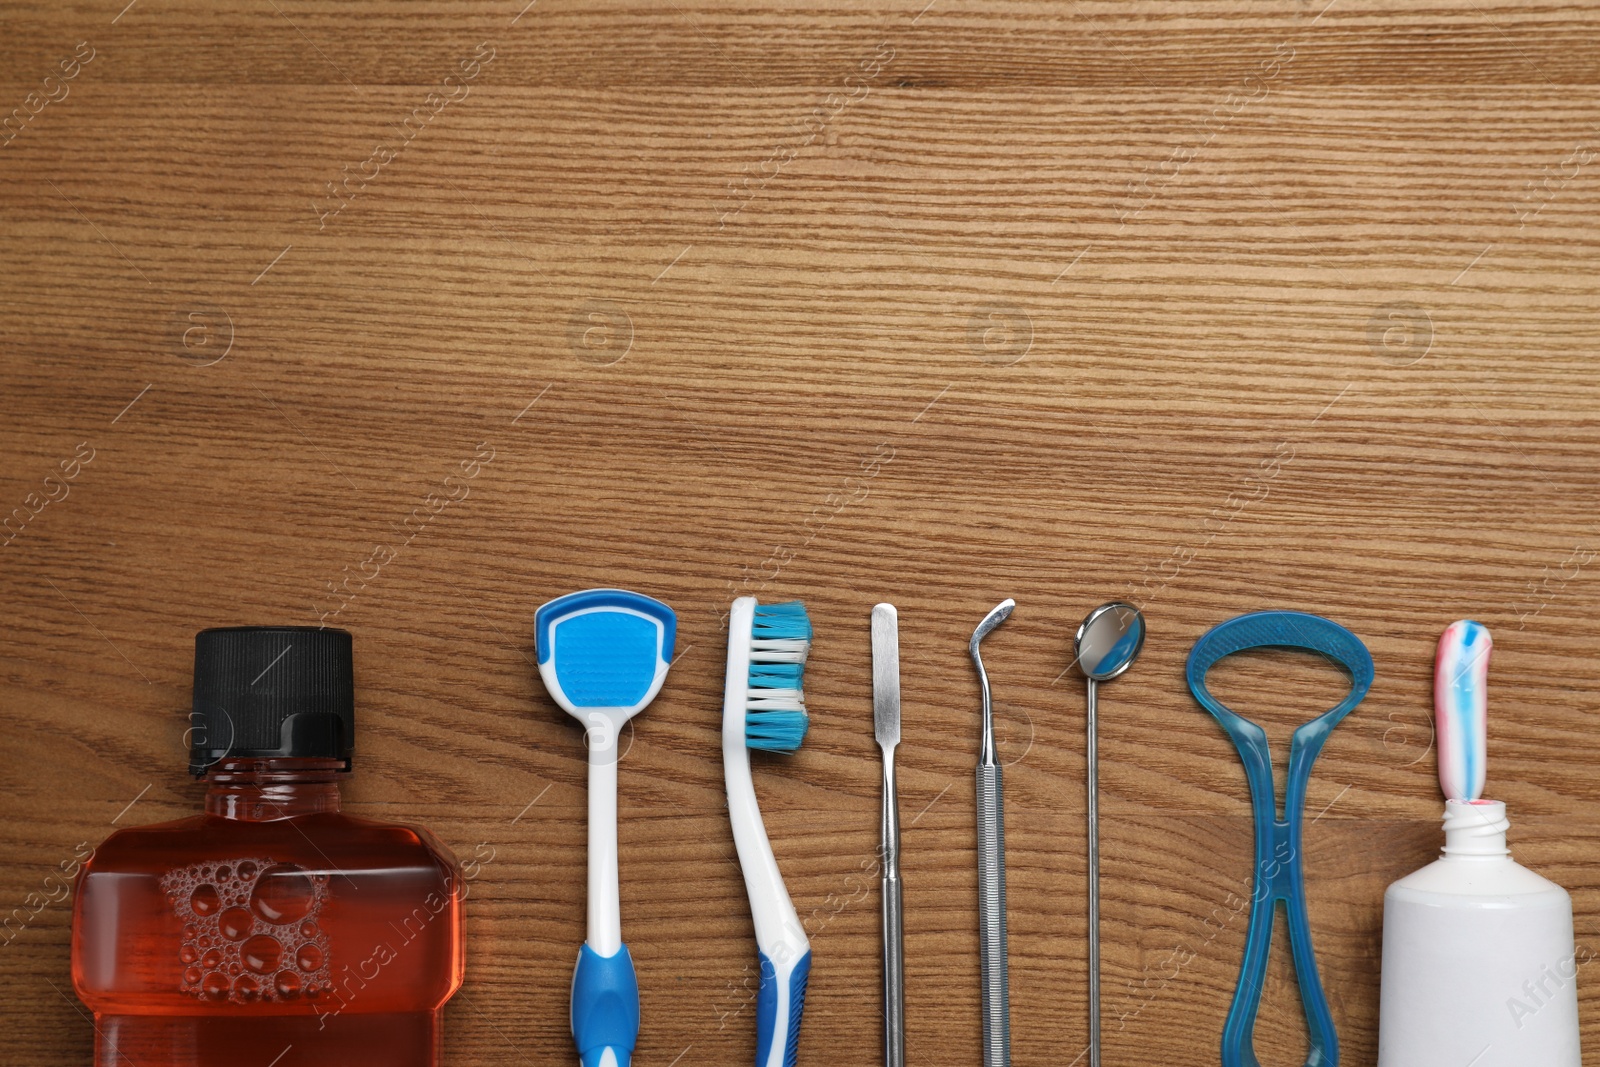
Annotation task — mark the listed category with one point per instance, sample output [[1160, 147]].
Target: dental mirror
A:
[[1106, 645], [1109, 640]]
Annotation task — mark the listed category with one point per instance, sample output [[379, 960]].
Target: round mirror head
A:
[[1109, 640]]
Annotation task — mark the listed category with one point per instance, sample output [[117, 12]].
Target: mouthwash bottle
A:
[[273, 929]]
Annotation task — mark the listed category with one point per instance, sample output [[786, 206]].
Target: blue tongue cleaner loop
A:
[[604, 649], [1278, 873]]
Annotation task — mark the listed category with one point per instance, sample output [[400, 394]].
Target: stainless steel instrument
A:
[[1106, 645], [886, 726], [992, 867]]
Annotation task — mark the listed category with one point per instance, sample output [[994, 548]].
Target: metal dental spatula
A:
[[886, 725]]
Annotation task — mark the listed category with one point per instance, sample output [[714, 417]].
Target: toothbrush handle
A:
[[605, 1008], [992, 917], [780, 1003]]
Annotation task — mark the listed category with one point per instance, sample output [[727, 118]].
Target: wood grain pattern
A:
[[1214, 305]]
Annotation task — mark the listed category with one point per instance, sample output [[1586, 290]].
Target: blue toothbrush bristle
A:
[[776, 675], [775, 710], [775, 731], [781, 622]]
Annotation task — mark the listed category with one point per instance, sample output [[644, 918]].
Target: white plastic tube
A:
[[1479, 965]]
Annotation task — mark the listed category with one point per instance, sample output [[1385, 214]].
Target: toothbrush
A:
[[763, 707], [603, 654]]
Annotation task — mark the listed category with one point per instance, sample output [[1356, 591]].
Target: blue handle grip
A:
[[1278, 872], [605, 1007], [779, 1006]]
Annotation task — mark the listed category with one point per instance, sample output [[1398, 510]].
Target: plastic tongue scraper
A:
[[1278, 872], [603, 654]]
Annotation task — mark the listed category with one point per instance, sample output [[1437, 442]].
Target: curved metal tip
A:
[[1002, 611], [1109, 640]]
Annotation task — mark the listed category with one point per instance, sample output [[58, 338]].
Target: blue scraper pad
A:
[[604, 648]]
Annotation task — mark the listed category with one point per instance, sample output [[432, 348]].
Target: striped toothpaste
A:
[[1460, 707]]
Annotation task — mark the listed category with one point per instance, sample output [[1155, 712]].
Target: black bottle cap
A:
[[265, 691]]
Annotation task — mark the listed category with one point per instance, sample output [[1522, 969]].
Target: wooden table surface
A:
[[1212, 306]]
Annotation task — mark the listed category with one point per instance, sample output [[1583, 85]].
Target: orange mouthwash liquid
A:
[[273, 929]]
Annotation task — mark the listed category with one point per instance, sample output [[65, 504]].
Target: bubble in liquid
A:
[[261, 954], [225, 953], [205, 900], [284, 894], [236, 923]]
